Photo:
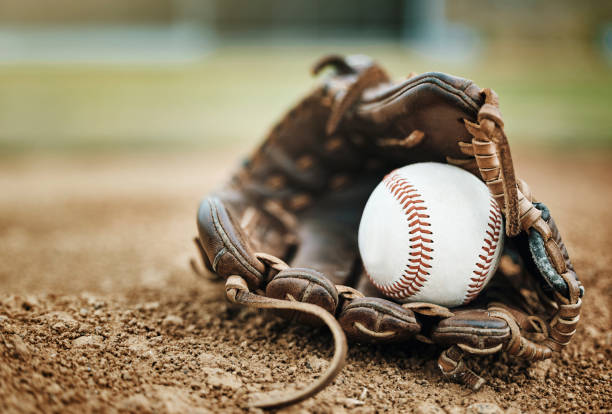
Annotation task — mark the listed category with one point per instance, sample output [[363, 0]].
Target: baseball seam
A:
[[415, 274], [487, 254]]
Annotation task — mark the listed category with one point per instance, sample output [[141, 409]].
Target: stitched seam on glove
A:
[[471, 330], [402, 89], [228, 244], [363, 303]]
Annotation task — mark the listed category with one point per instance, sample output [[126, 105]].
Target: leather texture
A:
[[298, 198]]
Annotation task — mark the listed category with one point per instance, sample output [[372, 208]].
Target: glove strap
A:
[[492, 153], [237, 291], [451, 364]]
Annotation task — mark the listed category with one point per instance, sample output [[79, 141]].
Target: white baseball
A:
[[431, 232]]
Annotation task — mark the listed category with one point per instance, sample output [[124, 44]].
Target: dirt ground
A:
[[99, 311]]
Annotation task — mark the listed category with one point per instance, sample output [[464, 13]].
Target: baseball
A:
[[431, 232]]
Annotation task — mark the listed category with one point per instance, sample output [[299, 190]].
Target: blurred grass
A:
[[549, 96]]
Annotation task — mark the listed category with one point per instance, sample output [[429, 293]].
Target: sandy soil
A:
[[99, 311]]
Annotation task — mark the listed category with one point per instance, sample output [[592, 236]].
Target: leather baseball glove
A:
[[283, 231]]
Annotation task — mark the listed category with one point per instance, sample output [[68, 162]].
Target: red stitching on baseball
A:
[[489, 247], [416, 272]]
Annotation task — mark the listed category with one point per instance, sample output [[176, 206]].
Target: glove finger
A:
[[474, 328], [377, 320], [549, 254], [226, 247], [303, 285]]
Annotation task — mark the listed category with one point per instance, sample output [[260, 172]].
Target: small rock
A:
[[484, 408], [455, 409], [59, 327], [218, 378], [84, 328], [364, 394], [88, 340], [156, 340], [83, 312], [30, 302], [138, 345], [350, 402], [207, 359], [539, 370], [53, 388], [265, 374], [61, 320], [317, 364], [428, 408], [20, 348], [150, 306], [172, 320]]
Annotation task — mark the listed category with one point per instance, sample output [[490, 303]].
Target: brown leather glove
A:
[[283, 230]]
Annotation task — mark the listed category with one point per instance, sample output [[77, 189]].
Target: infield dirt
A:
[[100, 312]]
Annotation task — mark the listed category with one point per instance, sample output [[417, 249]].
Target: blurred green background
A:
[[186, 75]]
